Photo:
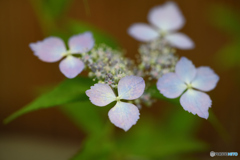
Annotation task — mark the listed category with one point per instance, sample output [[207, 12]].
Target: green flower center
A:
[[189, 86], [118, 99]]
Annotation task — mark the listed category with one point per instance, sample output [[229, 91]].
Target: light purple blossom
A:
[[195, 80], [122, 115], [52, 49], [165, 21]]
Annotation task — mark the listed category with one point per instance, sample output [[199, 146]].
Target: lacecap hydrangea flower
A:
[[165, 21], [195, 80], [122, 115], [52, 49]]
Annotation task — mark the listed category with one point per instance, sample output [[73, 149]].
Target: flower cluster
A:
[[156, 58], [118, 78], [108, 66]]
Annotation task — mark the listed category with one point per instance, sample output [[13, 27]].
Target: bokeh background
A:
[[214, 26]]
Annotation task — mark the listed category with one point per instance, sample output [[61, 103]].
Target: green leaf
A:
[[52, 8], [56, 7], [179, 120], [228, 20], [95, 147], [220, 128], [229, 55], [100, 36], [186, 123], [98, 145], [156, 94], [48, 12], [85, 115], [182, 122], [150, 139], [86, 6], [225, 18], [46, 21], [71, 90]]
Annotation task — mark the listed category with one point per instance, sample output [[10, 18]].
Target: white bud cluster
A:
[[108, 65], [156, 58]]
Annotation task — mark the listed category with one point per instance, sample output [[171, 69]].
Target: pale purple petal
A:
[[170, 85], [185, 70], [143, 32], [35, 47], [71, 66], [205, 79], [124, 115], [196, 102], [167, 17], [81, 43], [51, 49], [180, 41], [131, 87], [101, 94]]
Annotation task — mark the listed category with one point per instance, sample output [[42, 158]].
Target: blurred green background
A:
[[79, 130]]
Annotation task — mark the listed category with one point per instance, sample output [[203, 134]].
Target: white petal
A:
[[81, 43], [143, 32], [35, 47], [124, 115], [180, 41], [71, 66], [185, 70], [51, 49], [131, 87], [196, 102], [170, 85], [167, 17], [206, 79], [101, 94]]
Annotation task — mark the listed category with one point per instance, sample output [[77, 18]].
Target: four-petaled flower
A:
[[166, 19], [186, 76], [53, 49], [123, 114]]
